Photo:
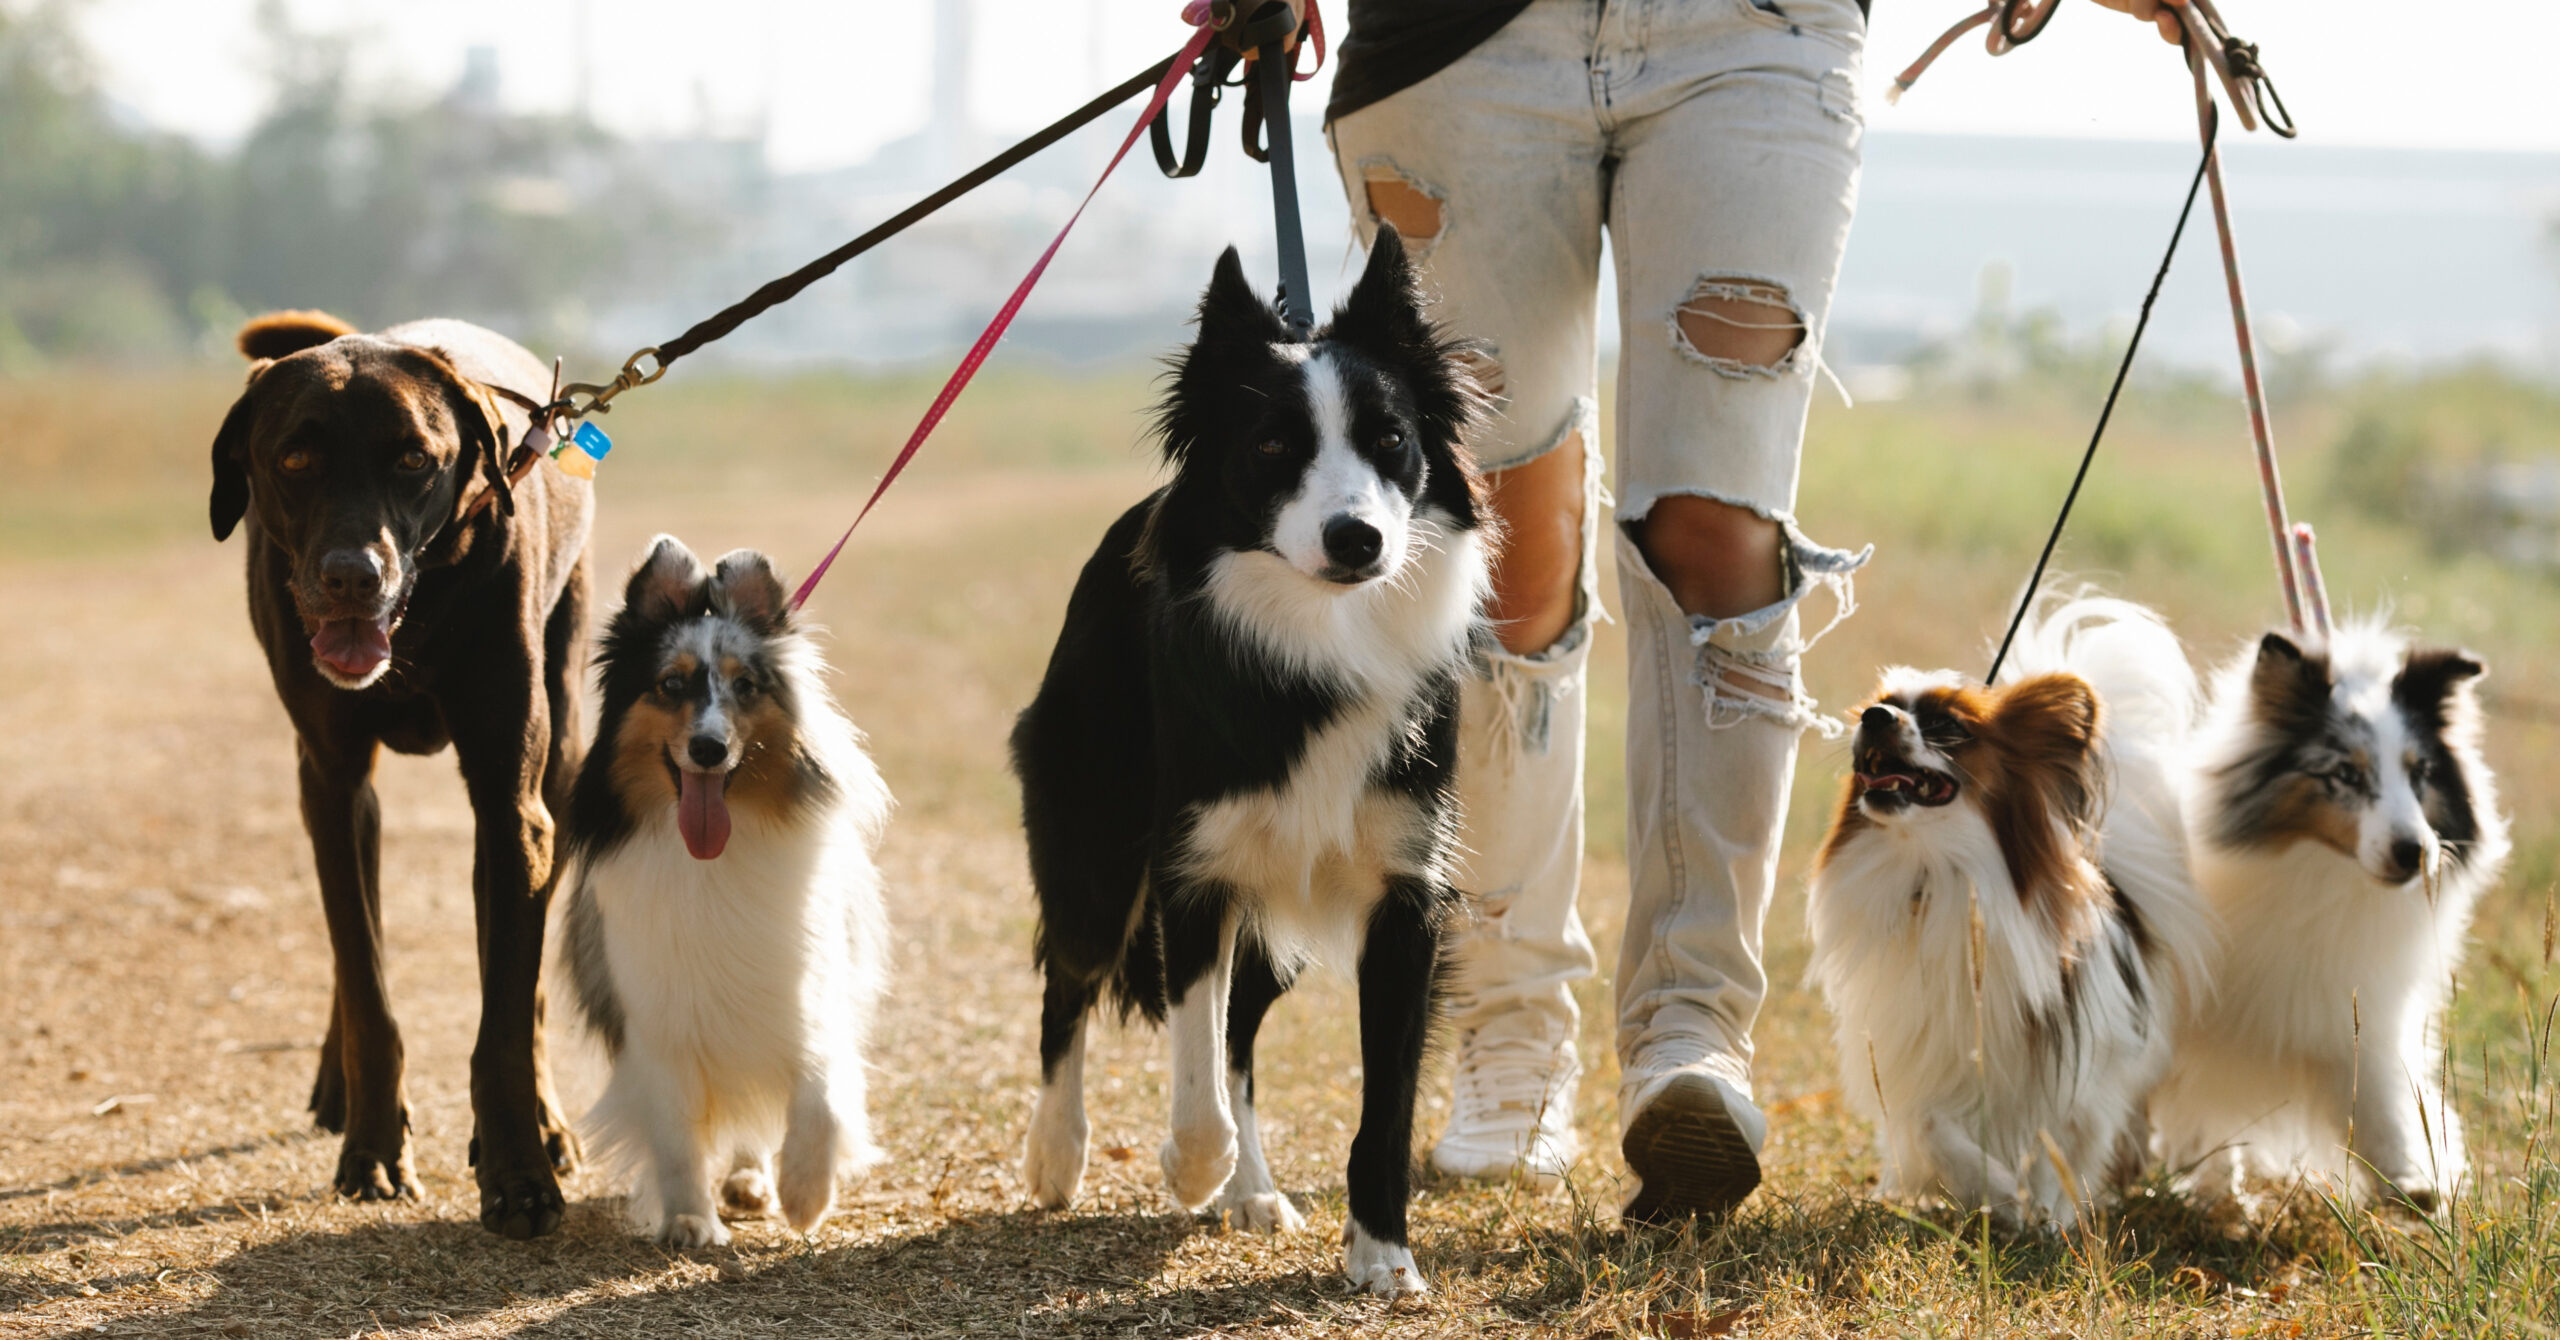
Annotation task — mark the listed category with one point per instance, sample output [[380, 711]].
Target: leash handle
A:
[[1171, 76]]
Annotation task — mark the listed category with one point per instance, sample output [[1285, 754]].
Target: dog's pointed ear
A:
[[231, 464], [2431, 677], [1231, 310], [1384, 312], [667, 583], [747, 589]]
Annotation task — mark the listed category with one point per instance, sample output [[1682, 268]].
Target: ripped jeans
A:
[[1717, 142]]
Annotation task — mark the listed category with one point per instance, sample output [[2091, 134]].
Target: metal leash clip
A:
[[600, 397]]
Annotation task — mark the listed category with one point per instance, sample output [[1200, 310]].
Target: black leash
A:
[[2027, 601], [598, 397], [783, 290], [1297, 297]]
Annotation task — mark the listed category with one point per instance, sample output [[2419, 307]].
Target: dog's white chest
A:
[[1312, 855], [729, 959]]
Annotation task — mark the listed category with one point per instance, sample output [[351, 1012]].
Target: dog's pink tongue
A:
[[352, 647], [702, 813]]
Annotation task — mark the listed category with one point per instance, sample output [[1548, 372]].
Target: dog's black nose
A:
[[1351, 542], [2407, 854], [1877, 718], [351, 575], [709, 751]]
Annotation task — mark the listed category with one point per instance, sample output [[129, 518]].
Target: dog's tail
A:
[[2125, 651], [280, 333]]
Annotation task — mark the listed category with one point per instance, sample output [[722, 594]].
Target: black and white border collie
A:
[[2345, 826], [1241, 759], [2003, 919], [725, 936]]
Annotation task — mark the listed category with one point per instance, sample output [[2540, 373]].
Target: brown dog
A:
[[401, 605]]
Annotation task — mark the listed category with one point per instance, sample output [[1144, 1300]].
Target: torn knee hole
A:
[[1417, 211], [1743, 686], [1739, 326]]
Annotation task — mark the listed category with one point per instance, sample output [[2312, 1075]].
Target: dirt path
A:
[[168, 976]]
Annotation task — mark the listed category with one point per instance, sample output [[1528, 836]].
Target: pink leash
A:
[[1173, 77]]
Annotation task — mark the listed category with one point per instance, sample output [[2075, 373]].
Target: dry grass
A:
[[166, 971]]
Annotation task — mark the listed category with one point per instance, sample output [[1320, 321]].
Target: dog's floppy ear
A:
[[231, 464], [2285, 679], [669, 582], [2429, 679], [747, 590], [483, 432], [2049, 725]]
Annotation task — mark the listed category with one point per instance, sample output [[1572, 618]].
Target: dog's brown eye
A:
[[2348, 775], [744, 686], [1271, 448], [414, 460], [294, 462], [1391, 441], [672, 685]]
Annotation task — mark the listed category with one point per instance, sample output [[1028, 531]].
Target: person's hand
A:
[[2154, 12]]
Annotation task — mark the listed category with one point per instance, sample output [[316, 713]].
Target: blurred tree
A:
[[120, 242]]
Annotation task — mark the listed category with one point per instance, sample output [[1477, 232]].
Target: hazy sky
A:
[[833, 80]]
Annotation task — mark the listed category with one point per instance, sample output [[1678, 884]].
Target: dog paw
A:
[[747, 1192], [1195, 1168], [368, 1176], [520, 1205], [686, 1231], [807, 1195], [2414, 1195], [1261, 1212], [1053, 1165], [1385, 1269]]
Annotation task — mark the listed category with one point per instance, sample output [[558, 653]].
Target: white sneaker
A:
[[1693, 1142], [1512, 1117]]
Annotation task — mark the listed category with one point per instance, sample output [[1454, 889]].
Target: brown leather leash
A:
[[2205, 42]]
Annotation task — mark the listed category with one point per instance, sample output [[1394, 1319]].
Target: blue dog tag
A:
[[585, 447]]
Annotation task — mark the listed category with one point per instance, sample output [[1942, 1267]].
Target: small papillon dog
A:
[[725, 935], [2003, 920], [2344, 826]]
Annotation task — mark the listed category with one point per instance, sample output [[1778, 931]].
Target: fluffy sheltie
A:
[[725, 936], [2003, 919], [2344, 826], [1241, 759]]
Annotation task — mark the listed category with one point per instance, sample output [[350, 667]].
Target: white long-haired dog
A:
[[2344, 826], [730, 965], [2002, 918]]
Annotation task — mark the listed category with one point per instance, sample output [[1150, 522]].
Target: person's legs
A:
[[1737, 141], [1491, 169]]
